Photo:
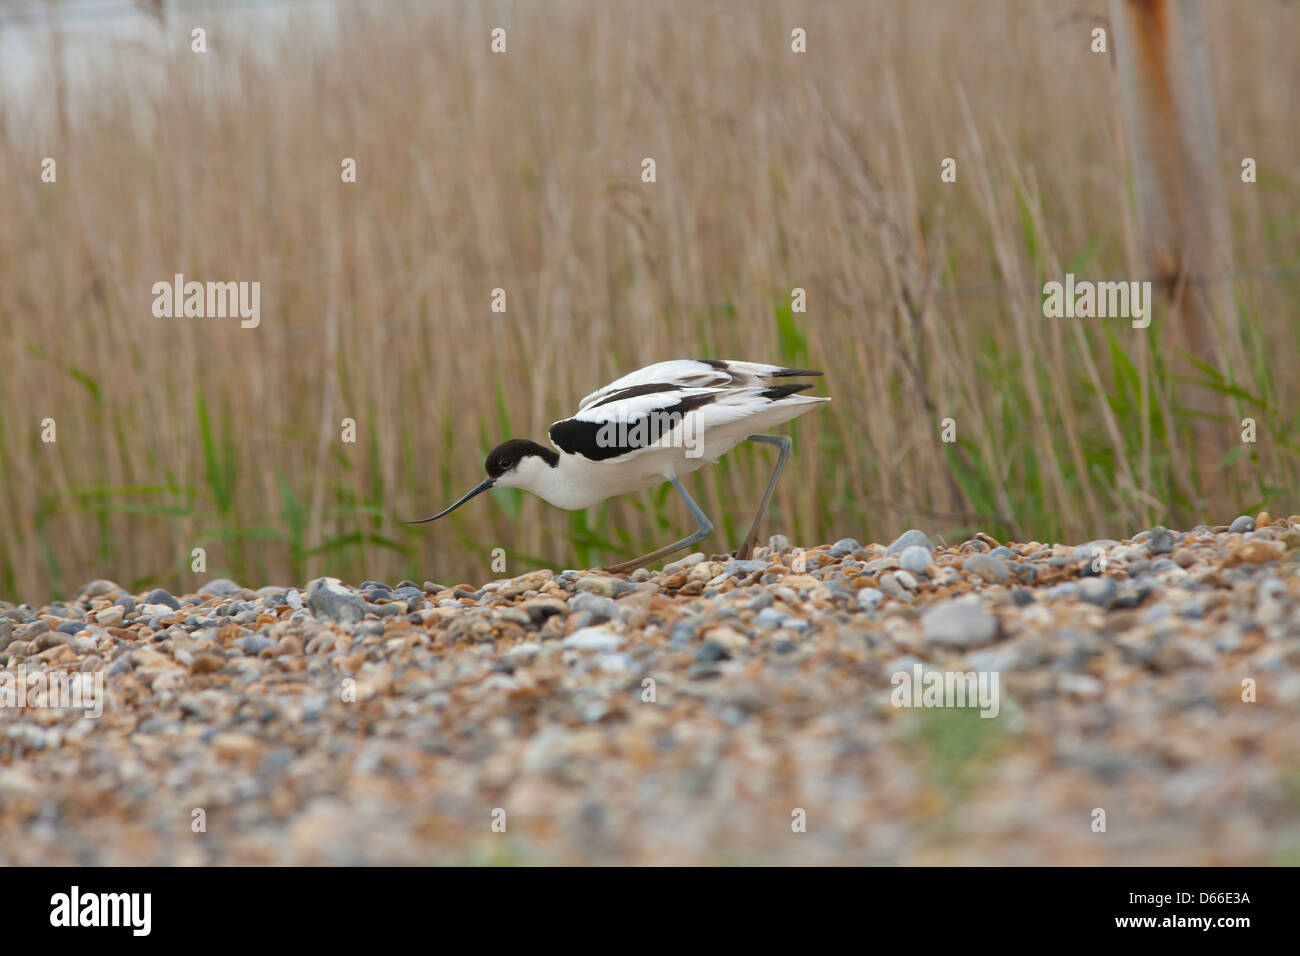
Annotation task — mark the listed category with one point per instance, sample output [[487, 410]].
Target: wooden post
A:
[[1164, 82]]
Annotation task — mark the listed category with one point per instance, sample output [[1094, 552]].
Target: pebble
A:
[[987, 567], [844, 547], [1242, 524], [915, 559], [222, 587], [958, 624], [741, 569], [602, 585], [1099, 591], [110, 616], [712, 651], [328, 598], [593, 639], [99, 588], [600, 608], [1161, 540], [870, 597], [890, 584], [1255, 551], [254, 644], [907, 540], [160, 596]]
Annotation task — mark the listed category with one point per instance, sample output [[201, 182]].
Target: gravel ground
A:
[[716, 711]]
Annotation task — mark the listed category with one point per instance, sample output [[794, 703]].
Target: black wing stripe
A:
[[601, 441], [632, 391], [781, 391]]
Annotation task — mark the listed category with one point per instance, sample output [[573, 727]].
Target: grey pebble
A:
[[844, 547], [958, 624], [741, 569], [890, 585], [1161, 540], [600, 608], [1241, 524], [712, 651], [162, 596], [1099, 591], [327, 597], [253, 644], [221, 587], [593, 639], [908, 539], [99, 588], [914, 559], [987, 567], [870, 597]]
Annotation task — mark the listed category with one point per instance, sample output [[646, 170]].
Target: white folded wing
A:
[[691, 373], [624, 428]]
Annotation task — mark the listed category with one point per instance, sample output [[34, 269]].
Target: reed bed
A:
[[522, 171]]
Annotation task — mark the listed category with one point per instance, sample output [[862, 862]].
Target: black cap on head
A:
[[509, 453]]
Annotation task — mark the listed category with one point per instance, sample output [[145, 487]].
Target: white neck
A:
[[572, 484]]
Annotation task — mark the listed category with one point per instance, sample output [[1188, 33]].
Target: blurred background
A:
[[522, 171]]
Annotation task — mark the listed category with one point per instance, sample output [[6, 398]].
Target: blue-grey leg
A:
[[705, 529], [784, 444]]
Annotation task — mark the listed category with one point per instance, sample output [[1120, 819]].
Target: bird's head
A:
[[517, 463]]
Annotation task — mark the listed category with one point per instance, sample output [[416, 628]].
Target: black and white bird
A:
[[656, 424]]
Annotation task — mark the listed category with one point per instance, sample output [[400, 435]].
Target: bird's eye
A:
[[509, 464]]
